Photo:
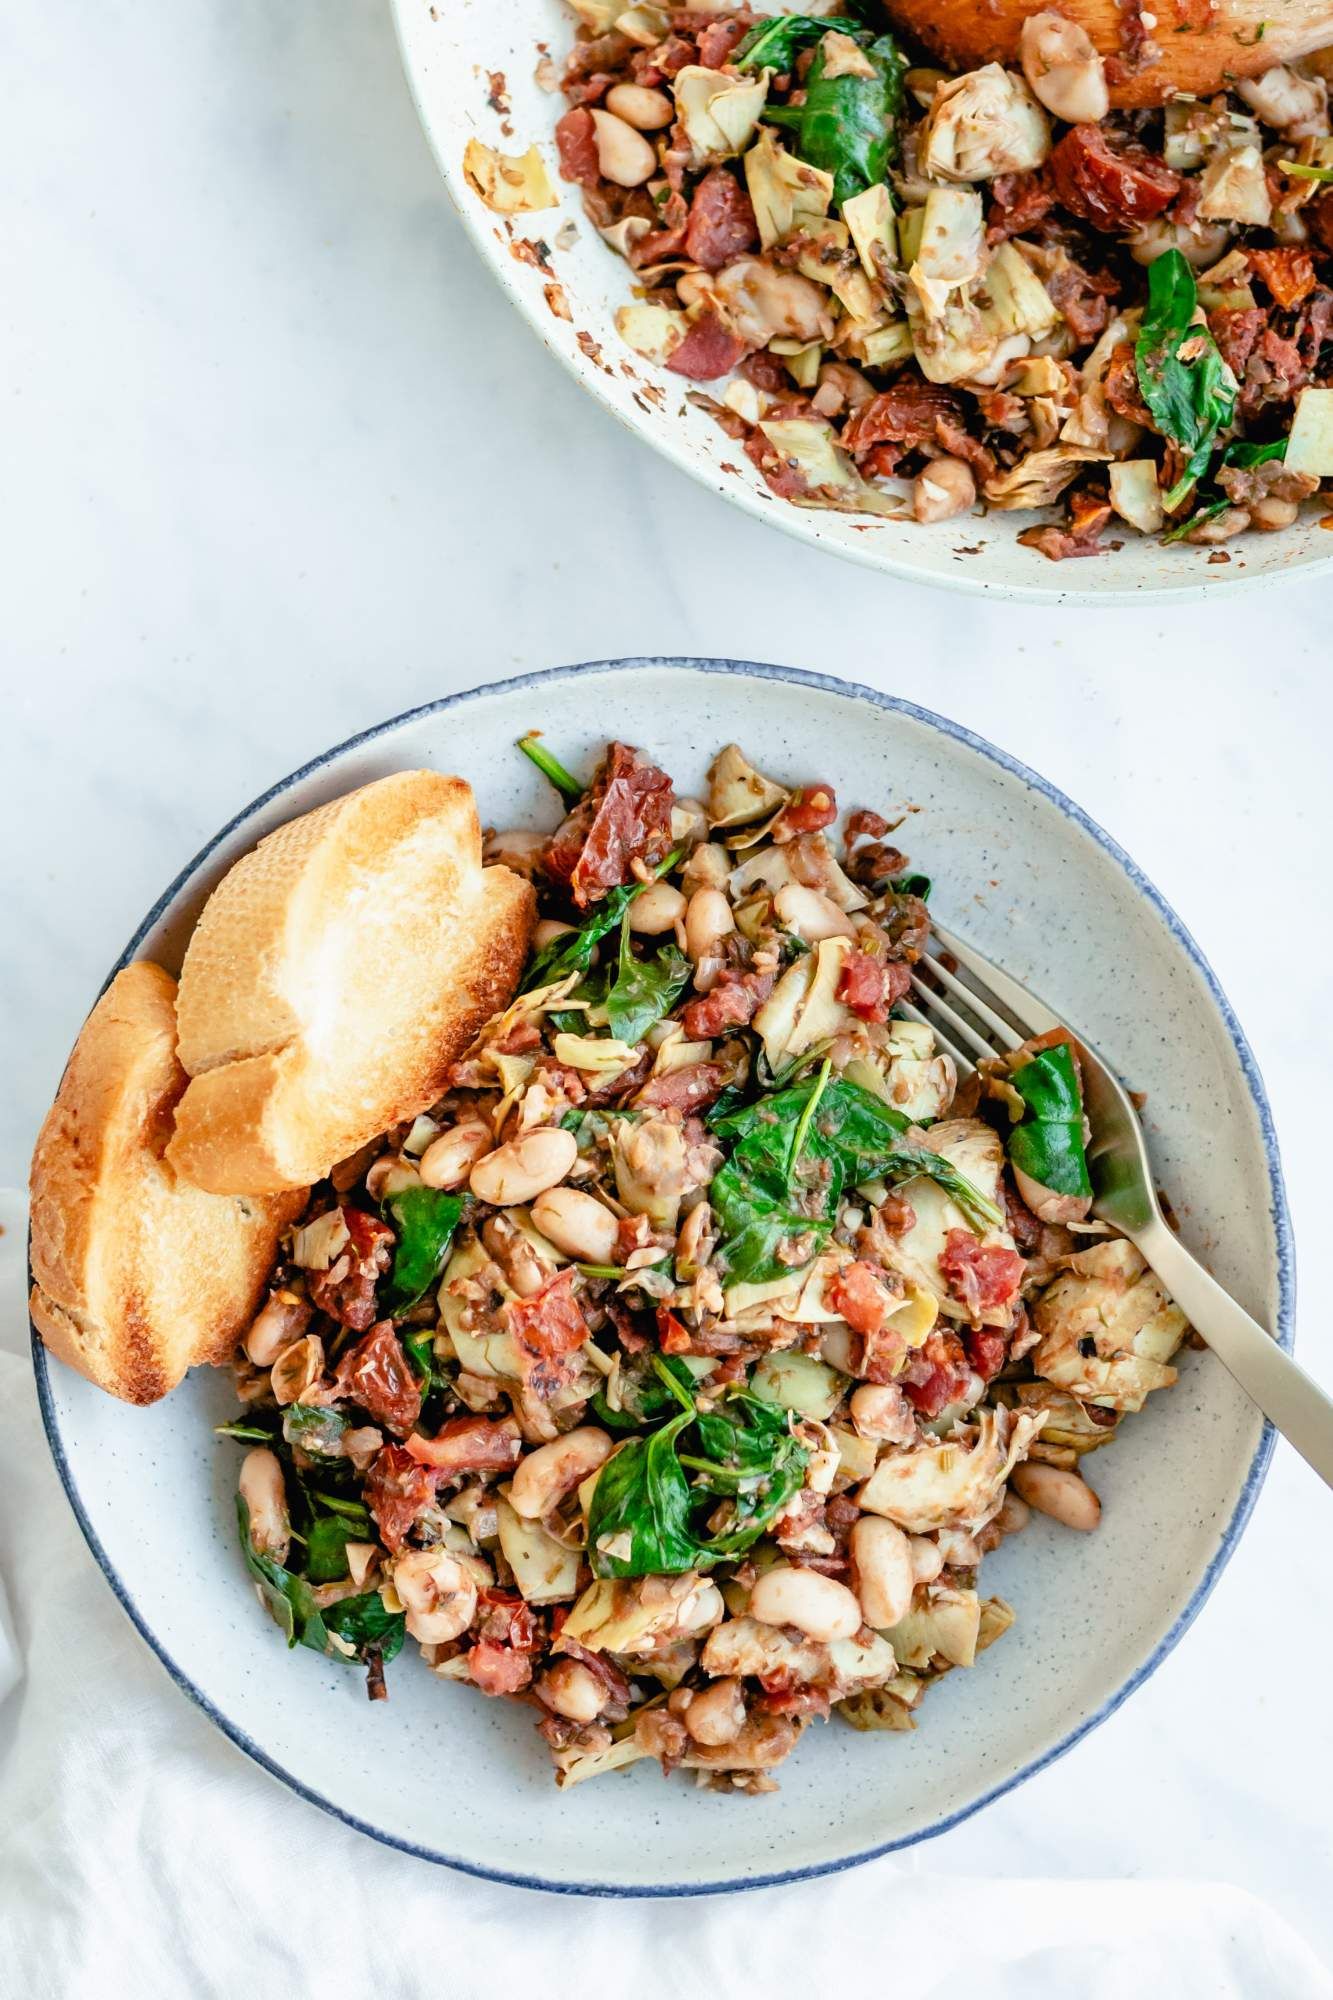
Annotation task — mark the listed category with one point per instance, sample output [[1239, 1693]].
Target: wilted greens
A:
[[775, 43], [1182, 377], [645, 989], [361, 1621], [847, 125], [1048, 1144], [425, 1219], [573, 951], [550, 767]]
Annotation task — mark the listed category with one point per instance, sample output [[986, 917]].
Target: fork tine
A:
[[973, 1001], [1032, 1016], [962, 1063], [962, 1030]]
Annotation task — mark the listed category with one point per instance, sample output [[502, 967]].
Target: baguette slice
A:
[[139, 1276], [333, 978]]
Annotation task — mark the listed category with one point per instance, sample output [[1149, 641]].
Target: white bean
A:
[[524, 1168], [884, 1576], [1063, 68], [811, 914], [1061, 1494], [578, 1224], [390, 1175], [927, 1558], [297, 1369], [572, 1690], [944, 488], [448, 1160], [879, 1410], [708, 919], [708, 867], [547, 931], [542, 1479], [275, 1326], [1014, 1514], [261, 1485], [716, 1714], [658, 909], [437, 1593], [646, 110], [623, 154], [815, 1604]]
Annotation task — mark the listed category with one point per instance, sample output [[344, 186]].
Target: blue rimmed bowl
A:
[[445, 1774]]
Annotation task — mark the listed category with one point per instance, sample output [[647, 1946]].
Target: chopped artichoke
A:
[[1233, 188], [803, 1008], [856, 1454], [943, 1623], [977, 1151], [785, 193], [860, 1663], [1107, 1328], [645, 25], [983, 124], [718, 113], [511, 184], [635, 1615], [869, 217], [1135, 494], [921, 1081], [877, 347], [655, 332], [573, 1765], [996, 1618], [1068, 1427], [596, 1055], [1310, 445], [318, 1244], [743, 1646], [886, 1707], [737, 793], [925, 1487], [1040, 477], [545, 1571], [1018, 301], [802, 359], [951, 248]]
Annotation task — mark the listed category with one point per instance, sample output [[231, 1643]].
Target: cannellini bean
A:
[[1063, 1495], [275, 1326], [297, 1369], [884, 1576], [944, 488], [1063, 68], [547, 931], [522, 1263], [448, 1160], [623, 154], [1271, 513], [878, 1410], [542, 1479], [518, 848], [524, 1168], [646, 110], [659, 908], [578, 1224], [573, 1690], [261, 1485], [927, 1558], [437, 1593], [716, 1714], [817, 1605], [811, 914], [1014, 1514], [699, 1609], [708, 920]]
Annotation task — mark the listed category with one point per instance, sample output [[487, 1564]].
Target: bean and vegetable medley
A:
[[989, 286], [674, 1375]]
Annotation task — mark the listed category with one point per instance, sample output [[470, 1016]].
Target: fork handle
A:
[[1284, 1392]]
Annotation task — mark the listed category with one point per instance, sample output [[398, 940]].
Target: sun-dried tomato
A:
[[707, 351], [346, 1291], [397, 1490], [576, 143], [721, 223], [548, 1328], [870, 986], [1112, 187], [469, 1444], [378, 1375], [623, 817]]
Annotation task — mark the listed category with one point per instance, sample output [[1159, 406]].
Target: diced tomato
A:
[[936, 1374], [721, 222], [576, 143], [673, 1337], [870, 986], [707, 350], [986, 1350], [858, 1295], [982, 1277], [498, 1669]]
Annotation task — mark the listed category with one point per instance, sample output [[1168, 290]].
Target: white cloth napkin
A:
[[140, 1851]]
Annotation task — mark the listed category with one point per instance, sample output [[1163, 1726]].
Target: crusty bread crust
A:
[[335, 975], [139, 1275]]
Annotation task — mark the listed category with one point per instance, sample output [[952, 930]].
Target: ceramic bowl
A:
[[471, 68], [444, 1773]]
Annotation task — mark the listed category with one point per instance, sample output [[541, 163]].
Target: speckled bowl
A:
[[471, 68], [441, 1772]]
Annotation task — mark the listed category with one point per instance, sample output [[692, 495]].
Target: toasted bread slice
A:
[[138, 1274], [335, 975]]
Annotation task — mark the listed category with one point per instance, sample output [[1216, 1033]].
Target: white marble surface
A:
[[278, 462]]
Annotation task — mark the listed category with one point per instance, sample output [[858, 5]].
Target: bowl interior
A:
[[570, 291], [443, 1771]]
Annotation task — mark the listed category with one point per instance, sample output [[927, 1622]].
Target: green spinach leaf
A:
[[847, 126], [289, 1598], [317, 1431], [1182, 377], [776, 42], [1048, 1143], [550, 767], [912, 885], [644, 990], [573, 951], [365, 1624], [425, 1219]]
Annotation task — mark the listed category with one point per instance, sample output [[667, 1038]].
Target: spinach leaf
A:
[[758, 1227], [365, 1624], [848, 125], [912, 885], [1192, 397], [550, 767], [316, 1431], [289, 1598], [644, 990], [425, 1219], [326, 1548], [247, 1433], [775, 43], [741, 1452], [646, 1397], [1048, 1144], [573, 951], [1240, 452]]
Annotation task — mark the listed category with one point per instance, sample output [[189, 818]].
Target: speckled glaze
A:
[[570, 295], [447, 1775]]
